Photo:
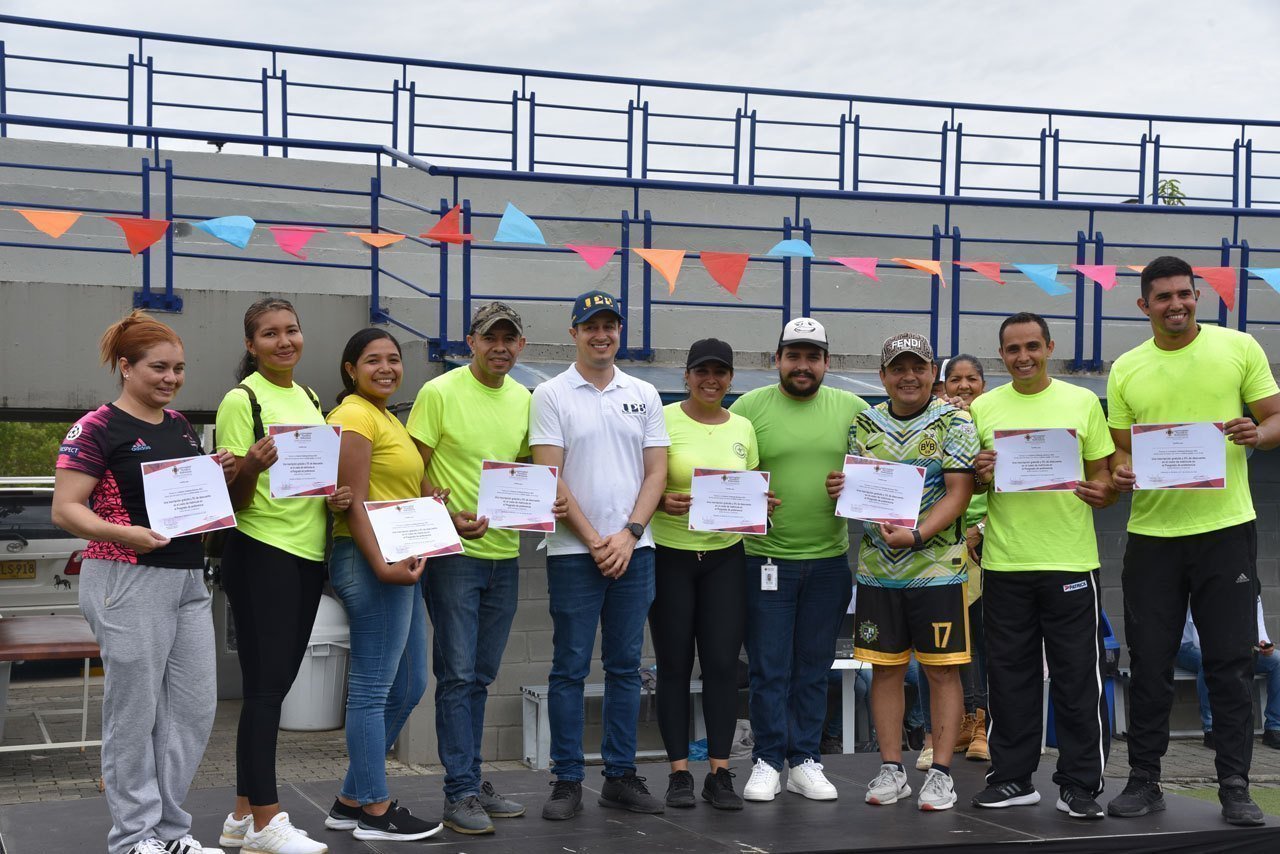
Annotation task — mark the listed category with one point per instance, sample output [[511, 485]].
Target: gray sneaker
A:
[[467, 816], [496, 805]]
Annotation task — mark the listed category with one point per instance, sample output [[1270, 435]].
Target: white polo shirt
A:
[[604, 434]]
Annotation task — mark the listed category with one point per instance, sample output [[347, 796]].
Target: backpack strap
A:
[[255, 410], [315, 398]]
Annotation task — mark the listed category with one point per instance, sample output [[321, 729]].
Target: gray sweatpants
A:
[[155, 629]]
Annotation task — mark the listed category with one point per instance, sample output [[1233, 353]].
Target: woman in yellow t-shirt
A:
[[383, 600], [700, 579]]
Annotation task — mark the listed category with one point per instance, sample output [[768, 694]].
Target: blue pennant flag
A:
[[794, 248], [235, 230], [516, 227], [1270, 275], [1045, 276]]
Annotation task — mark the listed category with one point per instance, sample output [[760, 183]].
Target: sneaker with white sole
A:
[[148, 846], [889, 786], [188, 845], [397, 824], [1015, 793], [925, 760], [807, 779], [765, 782], [341, 816], [233, 830], [280, 837], [938, 791]]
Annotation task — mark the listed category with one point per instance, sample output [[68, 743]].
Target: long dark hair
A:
[[248, 364], [351, 353]]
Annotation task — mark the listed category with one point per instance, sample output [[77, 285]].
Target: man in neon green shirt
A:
[[1191, 545]]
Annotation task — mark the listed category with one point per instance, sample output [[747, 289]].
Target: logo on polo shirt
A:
[[634, 408], [740, 450], [140, 446]]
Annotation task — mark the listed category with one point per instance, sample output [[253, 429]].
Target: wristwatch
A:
[[636, 529], [919, 542]]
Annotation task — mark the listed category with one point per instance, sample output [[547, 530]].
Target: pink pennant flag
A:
[[865, 266], [1103, 274], [595, 256], [924, 265], [291, 238], [989, 269], [1222, 280]]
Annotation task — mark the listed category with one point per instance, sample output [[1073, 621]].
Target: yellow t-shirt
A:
[[1041, 530], [730, 446], [1210, 379], [395, 471], [465, 422], [294, 525]]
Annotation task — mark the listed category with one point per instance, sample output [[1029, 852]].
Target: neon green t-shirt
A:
[[976, 511], [294, 525], [465, 422], [800, 442], [395, 470], [730, 446], [1041, 530], [1210, 379]]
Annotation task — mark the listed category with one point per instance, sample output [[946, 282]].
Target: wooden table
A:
[[49, 638]]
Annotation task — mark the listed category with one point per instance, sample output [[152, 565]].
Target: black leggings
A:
[[700, 596], [274, 596]]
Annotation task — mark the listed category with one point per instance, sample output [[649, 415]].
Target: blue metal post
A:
[[959, 157], [806, 267], [942, 162], [844, 121], [533, 131], [284, 111], [1099, 248], [142, 298], [857, 142], [624, 281], [786, 266], [1057, 148], [1242, 316], [266, 109], [1077, 363], [1226, 262], [1044, 154], [955, 290], [4, 94], [751, 149], [515, 130], [737, 144], [466, 265], [1155, 170], [443, 321], [631, 148], [647, 295], [934, 296], [1142, 168], [413, 114], [644, 152], [1235, 173], [395, 118], [151, 96], [1248, 174], [375, 192]]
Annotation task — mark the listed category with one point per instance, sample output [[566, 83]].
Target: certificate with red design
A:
[[1037, 460], [517, 496], [881, 491], [1180, 456], [412, 527], [306, 460], [729, 501], [186, 496]]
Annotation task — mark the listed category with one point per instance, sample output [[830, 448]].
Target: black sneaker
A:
[[1077, 803], [397, 824], [680, 790], [565, 800], [1140, 797], [628, 792], [498, 806], [342, 817], [1237, 806], [467, 815], [1012, 794], [717, 790], [914, 737], [1271, 738], [1208, 739]]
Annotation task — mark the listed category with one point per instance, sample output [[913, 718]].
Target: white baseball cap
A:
[[803, 330]]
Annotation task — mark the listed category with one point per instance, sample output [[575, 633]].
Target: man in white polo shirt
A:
[[606, 432]]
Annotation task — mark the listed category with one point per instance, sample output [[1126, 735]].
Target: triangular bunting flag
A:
[[52, 223], [1137, 269], [924, 265], [140, 233], [989, 269], [1270, 275], [235, 230], [516, 227], [291, 238], [794, 248], [665, 261], [1222, 280], [865, 266], [726, 268], [1103, 274], [449, 228], [1045, 276], [595, 256], [379, 240]]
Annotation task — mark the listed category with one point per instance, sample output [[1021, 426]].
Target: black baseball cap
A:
[[591, 303], [709, 350]]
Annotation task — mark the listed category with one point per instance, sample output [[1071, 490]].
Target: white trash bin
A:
[[318, 698]]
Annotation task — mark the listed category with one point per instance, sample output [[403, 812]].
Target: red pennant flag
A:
[[1103, 274], [449, 228], [140, 233], [595, 256], [924, 265], [291, 238], [989, 269], [1222, 280], [865, 266], [726, 268], [379, 240], [52, 223]]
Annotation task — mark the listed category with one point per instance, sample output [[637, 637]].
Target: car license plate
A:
[[17, 569]]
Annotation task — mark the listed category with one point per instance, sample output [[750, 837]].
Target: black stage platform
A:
[[788, 824]]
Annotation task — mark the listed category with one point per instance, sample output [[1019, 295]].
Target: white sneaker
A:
[[938, 791], [234, 829], [764, 783], [807, 779], [148, 846], [281, 837], [925, 760], [889, 786], [189, 845]]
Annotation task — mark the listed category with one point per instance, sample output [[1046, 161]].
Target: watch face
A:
[[636, 529]]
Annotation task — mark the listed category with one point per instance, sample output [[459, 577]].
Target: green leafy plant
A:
[[1169, 191]]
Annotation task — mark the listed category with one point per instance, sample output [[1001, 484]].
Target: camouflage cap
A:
[[487, 315]]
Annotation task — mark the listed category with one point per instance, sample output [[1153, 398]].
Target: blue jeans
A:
[[471, 603], [1189, 658], [791, 642], [581, 599], [388, 666]]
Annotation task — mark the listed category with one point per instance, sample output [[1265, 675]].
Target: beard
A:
[[790, 388]]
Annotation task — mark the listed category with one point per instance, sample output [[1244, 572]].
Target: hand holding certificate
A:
[[412, 527], [729, 501], [517, 496], [307, 459], [880, 491], [186, 496], [1037, 460], [1179, 456]]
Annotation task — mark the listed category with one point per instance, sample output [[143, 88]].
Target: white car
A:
[[39, 562]]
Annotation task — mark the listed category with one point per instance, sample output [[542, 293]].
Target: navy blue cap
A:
[[591, 303]]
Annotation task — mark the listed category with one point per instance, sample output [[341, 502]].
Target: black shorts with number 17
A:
[[890, 622]]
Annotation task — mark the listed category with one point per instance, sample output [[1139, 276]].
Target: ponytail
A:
[[131, 337]]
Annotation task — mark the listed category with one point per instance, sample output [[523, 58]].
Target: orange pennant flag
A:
[[726, 268], [923, 265], [449, 228], [1137, 270], [378, 240], [140, 233], [665, 261], [52, 223], [1222, 280], [990, 269]]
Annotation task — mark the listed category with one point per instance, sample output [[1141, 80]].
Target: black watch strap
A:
[[919, 542], [636, 529]]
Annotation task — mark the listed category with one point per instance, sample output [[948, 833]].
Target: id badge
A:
[[769, 576]]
